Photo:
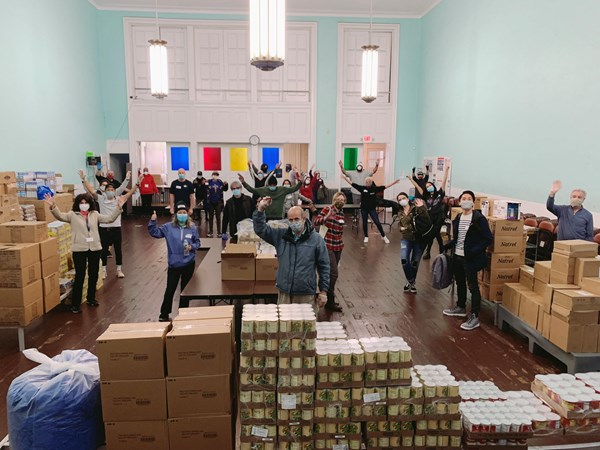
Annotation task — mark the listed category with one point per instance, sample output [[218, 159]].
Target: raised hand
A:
[[128, 175], [556, 186], [49, 199], [153, 217], [419, 202], [82, 175], [240, 177], [264, 203]]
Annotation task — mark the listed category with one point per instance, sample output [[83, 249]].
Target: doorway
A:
[[371, 153]]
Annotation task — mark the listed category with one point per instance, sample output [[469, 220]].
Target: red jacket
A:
[[148, 186], [308, 190]]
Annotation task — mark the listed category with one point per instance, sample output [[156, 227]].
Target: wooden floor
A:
[[369, 289]]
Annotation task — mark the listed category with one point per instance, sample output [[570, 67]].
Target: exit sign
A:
[[367, 138]]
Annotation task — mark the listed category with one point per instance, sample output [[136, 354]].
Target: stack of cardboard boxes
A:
[[9, 202], [64, 202], [505, 256], [28, 272], [560, 301], [246, 262], [28, 182]]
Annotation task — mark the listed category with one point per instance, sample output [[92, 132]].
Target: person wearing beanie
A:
[[183, 241], [471, 236], [274, 210]]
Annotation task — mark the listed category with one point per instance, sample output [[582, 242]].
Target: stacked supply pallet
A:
[[258, 377], [505, 256], [28, 183], [50, 262], [133, 389], [200, 350], [296, 376], [441, 426], [9, 201]]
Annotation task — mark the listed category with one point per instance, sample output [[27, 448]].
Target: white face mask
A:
[[84, 207], [466, 205], [576, 202], [110, 194], [403, 202], [145, 172]]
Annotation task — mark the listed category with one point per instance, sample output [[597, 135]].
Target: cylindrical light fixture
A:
[[159, 68], [370, 61], [267, 34]]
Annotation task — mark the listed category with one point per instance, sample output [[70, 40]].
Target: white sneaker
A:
[[385, 239], [120, 274], [365, 240], [104, 274]]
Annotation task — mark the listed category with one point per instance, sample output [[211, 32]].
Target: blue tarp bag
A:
[[57, 404], [43, 190]]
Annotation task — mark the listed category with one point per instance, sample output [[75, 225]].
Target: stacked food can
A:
[[331, 331], [258, 377], [441, 425], [296, 376], [471, 391]]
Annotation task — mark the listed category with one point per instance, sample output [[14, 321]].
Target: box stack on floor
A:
[[9, 201], [340, 380], [62, 232], [441, 425], [258, 377], [562, 300], [50, 266], [200, 350], [28, 182], [64, 202], [22, 245], [133, 389]]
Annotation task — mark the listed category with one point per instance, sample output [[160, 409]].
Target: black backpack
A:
[[441, 272], [422, 226]]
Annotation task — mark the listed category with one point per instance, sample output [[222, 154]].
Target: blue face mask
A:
[[272, 188], [181, 176], [182, 218], [430, 189], [237, 192], [297, 227]]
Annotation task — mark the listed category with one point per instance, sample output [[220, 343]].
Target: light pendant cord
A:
[[156, 17], [370, 21]]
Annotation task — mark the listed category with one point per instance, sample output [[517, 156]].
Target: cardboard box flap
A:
[[239, 251], [200, 328], [575, 246], [203, 313]]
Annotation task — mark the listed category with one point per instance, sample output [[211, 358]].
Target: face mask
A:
[[215, 177], [103, 188], [182, 218], [272, 188], [260, 176], [339, 205], [84, 207], [236, 192], [307, 182], [110, 194], [297, 227], [287, 185], [110, 177], [403, 202], [466, 205], [430, 189], [575, 203], [359, 168], [181, 176], [145, 172]]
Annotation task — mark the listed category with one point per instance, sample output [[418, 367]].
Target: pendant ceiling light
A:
[[267, 34], [159, 67], [370, 61]]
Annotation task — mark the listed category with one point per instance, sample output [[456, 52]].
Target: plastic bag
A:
[[42, 191], [57, 404]]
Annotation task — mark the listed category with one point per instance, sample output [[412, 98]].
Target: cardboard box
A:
[[591, 334], [64, 202], [21, 231], [51, 300], [50, 265], [563, 263], [576, 300], [511, 297], [9, 213], [8, 177], [15, 256], [576, 248], [8, 189], [21, 316], [199, 395], [549, 294], [266, 267], [134, 400], [546, 324], [17, 278], [561, 278], [503, 227], [501, 276], [143, 435], [586, 268], [200, 348], [526, 276], [542, 271], [454, 212], [505, 260], [194, 433], [591, 285], [51, 283], [21, 297], [529, 308], [566, 337], [508, 244], [48, 248], [575, 317], [539, 287], [205, 312], [492, 292], [505, 209], [237, 262], [132, 351]]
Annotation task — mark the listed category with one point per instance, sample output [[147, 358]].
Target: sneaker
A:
[[75, 309], [427, 255], [219, 235], [457, 311], [104, 274], [120, 274], [385, 239], [471, 324], [163, 318], [209, 235], [365, 240], [407, 287], [413, 288], [93, 303]]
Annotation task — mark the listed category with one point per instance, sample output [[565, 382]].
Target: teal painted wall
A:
[[112, 57], [511, 92], [51, 110]]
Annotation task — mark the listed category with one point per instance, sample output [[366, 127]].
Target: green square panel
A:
[[350, 158]]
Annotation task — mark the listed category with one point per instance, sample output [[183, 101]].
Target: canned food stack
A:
[[544, 421], [441, 426], [576, 402], [258, 377], [480, 390], [340, 373], [296, 376], [331, 331], [388, 361], [28, 213]]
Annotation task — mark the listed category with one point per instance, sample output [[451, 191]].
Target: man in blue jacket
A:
[[574, 221], [301, 253]]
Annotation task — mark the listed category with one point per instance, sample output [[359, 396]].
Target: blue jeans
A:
[[410, 254], [374, 217]]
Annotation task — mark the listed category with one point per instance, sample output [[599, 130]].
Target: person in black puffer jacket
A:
[[471, 236]]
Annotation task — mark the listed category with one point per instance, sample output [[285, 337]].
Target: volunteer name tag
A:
[[146, 185], [89, 239], [178, 187], [188, 236]]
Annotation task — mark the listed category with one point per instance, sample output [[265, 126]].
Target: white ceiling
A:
[[338, 8]]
